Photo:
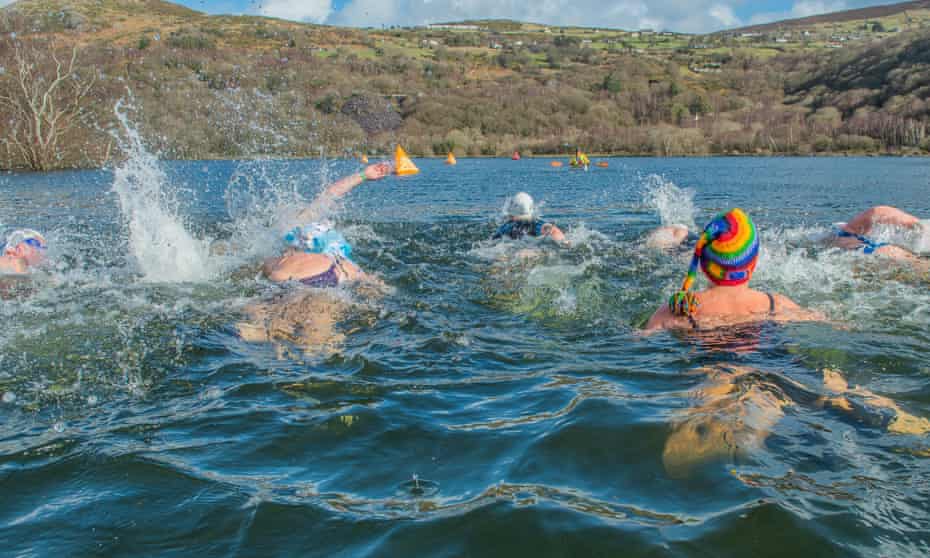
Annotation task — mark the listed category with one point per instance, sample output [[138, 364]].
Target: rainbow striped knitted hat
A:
[[727, 252]]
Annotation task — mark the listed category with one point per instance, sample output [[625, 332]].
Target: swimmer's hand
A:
[[556, 234], [378, 170]]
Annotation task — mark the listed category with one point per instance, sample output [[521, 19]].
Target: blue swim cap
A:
[[318, 238], [331, 242]]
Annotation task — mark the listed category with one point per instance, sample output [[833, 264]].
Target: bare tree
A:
[[43, 96]]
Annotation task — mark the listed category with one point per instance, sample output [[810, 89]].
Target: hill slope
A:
[[859, 14], [230, 86]]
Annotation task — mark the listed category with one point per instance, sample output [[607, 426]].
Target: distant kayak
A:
[[580, 160]]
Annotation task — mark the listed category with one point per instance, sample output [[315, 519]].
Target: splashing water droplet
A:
[[674, 205], [159, 242]]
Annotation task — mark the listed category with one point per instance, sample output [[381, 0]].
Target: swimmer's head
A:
[[727, 252], [27, 244], [520, 207], [318, 238]]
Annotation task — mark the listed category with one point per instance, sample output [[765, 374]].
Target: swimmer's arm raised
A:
[[342, 187]]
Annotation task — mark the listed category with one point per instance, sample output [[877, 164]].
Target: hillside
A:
[[869, 14], [230, 86]]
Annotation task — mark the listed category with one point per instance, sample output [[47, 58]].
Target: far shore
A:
[[861, 155]]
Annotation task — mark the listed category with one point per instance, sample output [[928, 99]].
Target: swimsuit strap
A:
[[337, 262]]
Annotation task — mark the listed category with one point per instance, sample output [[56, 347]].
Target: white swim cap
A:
[[28, 236], [521, 207]]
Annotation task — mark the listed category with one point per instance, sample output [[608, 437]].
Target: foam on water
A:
[[848, 285], [263, 200]]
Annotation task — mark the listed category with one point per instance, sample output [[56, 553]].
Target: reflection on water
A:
[[157, 396]]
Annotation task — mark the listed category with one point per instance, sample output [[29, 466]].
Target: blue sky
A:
[[694, 16]]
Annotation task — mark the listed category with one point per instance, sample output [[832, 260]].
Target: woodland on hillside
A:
[[200, 91]]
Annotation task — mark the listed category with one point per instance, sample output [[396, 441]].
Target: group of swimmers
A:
[[727, 417], [315, 254]]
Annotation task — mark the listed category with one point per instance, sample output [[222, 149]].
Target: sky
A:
[[690, 16]]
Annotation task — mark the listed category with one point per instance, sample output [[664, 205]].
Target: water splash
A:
[[674, 205], [263, 200], [159, 241]]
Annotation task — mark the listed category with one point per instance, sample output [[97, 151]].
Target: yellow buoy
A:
[[403, 166], [364, 159], [450, 160]]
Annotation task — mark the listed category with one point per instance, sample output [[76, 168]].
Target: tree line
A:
[[193, 99]]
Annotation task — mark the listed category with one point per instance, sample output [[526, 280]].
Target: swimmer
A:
[[727, 252], [316, 255], [857, 234], [24, 249], [523, 220]]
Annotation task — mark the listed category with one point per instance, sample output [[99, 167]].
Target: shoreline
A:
[[541, 156]]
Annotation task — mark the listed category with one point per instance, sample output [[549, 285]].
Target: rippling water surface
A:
[[493, 402]]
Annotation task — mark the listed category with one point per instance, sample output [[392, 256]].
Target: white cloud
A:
[[314, 11], [677, 15], [693, 16], [724, 14], [804, 8]]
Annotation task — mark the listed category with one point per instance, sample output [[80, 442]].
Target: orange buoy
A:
[[556, 164], [403, 166], [450, 159], [364, 159], [603, 164]]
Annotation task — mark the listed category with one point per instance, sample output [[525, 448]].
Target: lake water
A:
[[488, 404]]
